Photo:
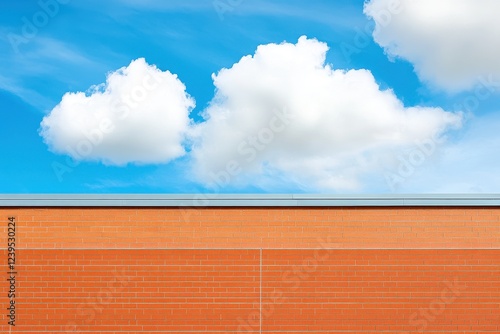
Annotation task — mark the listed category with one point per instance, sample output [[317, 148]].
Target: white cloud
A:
[[140, 115], [284, 111], [453, 44]]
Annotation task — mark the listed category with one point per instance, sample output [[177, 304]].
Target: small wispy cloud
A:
[[42, 58]]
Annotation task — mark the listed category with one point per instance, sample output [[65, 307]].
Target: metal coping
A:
[[249, 200]]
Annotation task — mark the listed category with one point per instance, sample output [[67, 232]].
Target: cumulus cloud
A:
[[453, 44], [140, 115], [284, 111]]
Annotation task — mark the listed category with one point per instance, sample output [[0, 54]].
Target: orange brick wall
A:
[[254, 270], [357, 228]]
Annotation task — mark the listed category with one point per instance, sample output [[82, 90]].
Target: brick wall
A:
[[252, 270]]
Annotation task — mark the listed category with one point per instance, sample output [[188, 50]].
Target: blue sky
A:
[[381, 99]]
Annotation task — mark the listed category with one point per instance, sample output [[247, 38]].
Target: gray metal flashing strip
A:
[[261, 200]]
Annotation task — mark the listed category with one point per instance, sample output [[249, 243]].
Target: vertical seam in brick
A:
[[260, 293]]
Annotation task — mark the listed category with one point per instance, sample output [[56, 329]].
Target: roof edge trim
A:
[[248, 200]]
